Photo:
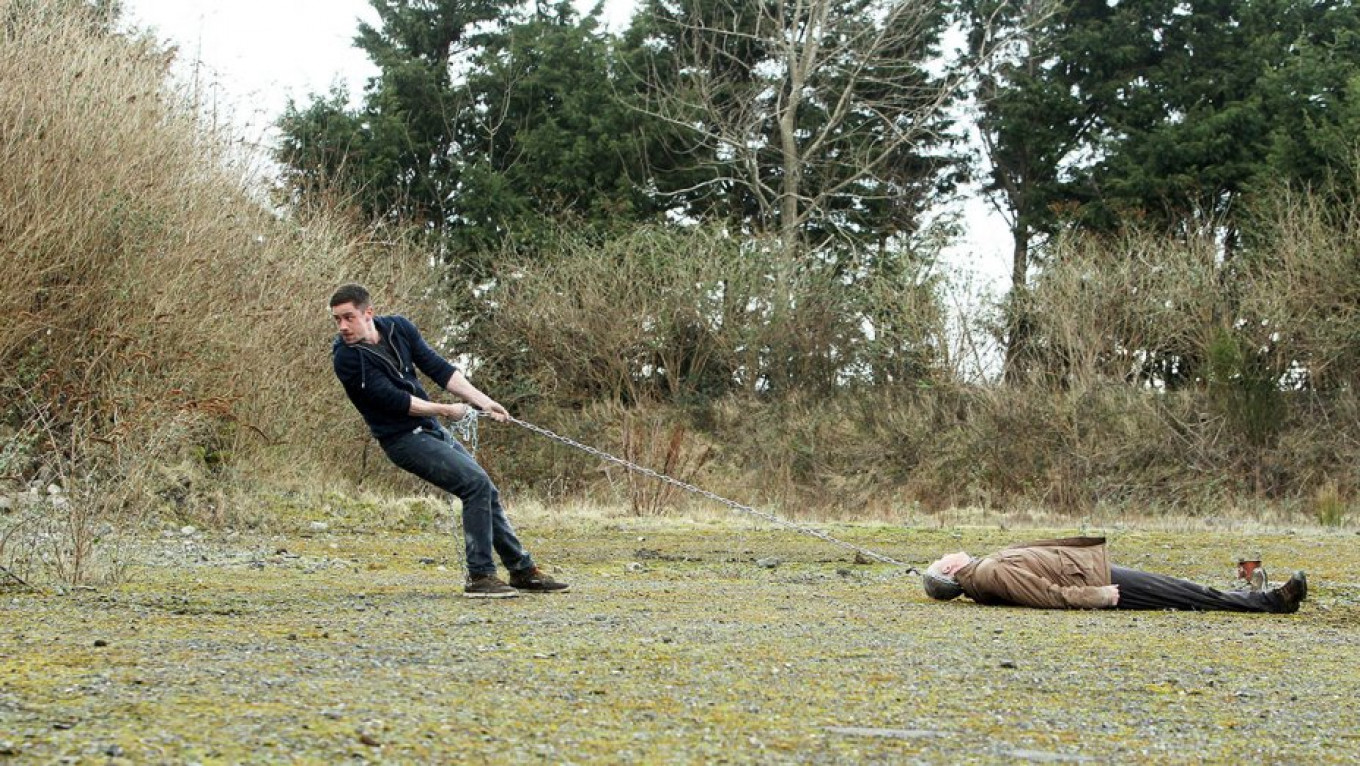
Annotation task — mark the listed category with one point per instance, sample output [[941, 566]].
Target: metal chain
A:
[[746, 509], [466, 427]]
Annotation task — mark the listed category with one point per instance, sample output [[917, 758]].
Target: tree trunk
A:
[[1018, 324]]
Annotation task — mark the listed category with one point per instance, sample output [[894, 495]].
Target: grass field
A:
[[680, 642]]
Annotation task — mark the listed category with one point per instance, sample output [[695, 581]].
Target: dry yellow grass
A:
[[161, 312]]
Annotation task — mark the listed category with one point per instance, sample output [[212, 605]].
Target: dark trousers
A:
[[1144, 590], [438, 458]]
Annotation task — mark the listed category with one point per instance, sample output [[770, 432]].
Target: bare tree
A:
[[815, 118]]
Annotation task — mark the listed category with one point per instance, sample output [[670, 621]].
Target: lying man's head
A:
[[938, 579]]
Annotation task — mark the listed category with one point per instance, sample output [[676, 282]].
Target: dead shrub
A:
[[67, 525], [1328, 507], [691, 314], [150, 287], [664, 447], [1301, 300], [1137, 308]]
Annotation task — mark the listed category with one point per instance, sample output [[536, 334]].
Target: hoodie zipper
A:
[[395, 367]]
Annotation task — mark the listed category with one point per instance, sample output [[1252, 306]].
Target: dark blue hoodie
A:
[[381, 392]]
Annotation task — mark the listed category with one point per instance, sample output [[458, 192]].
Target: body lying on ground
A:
[[1076, 573]]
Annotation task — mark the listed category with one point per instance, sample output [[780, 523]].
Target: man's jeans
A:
[[439, 459]]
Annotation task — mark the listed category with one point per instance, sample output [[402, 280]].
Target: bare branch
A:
[[814, 101]]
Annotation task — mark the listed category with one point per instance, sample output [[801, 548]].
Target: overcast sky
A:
[[246, 58]]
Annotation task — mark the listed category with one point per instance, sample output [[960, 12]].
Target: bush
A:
[[692, 314], [147, 285], [1329, 508], [1302, 296]]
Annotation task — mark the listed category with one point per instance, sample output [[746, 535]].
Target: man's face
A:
[[355, 324], [948, 565]]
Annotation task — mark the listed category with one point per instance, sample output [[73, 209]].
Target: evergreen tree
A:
[[485, 122], [1047, 79], [548, 137], [1239, 94], [1161, 113], [397, 154]]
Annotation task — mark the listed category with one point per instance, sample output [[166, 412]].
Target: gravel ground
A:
[[679, 642]]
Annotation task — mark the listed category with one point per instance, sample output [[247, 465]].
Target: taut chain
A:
[[467, 430]]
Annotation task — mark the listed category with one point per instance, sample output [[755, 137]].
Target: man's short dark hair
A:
[[351, 293]]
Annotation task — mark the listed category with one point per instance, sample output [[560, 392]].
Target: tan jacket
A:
[[1049, 574]]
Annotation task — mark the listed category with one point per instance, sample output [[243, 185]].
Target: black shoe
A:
[[488, 586], [533, 580], [1287, 597]]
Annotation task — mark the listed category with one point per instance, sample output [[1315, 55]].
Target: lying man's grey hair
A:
[[939, 586]]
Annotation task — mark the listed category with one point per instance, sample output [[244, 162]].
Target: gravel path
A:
[[679, 642]]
